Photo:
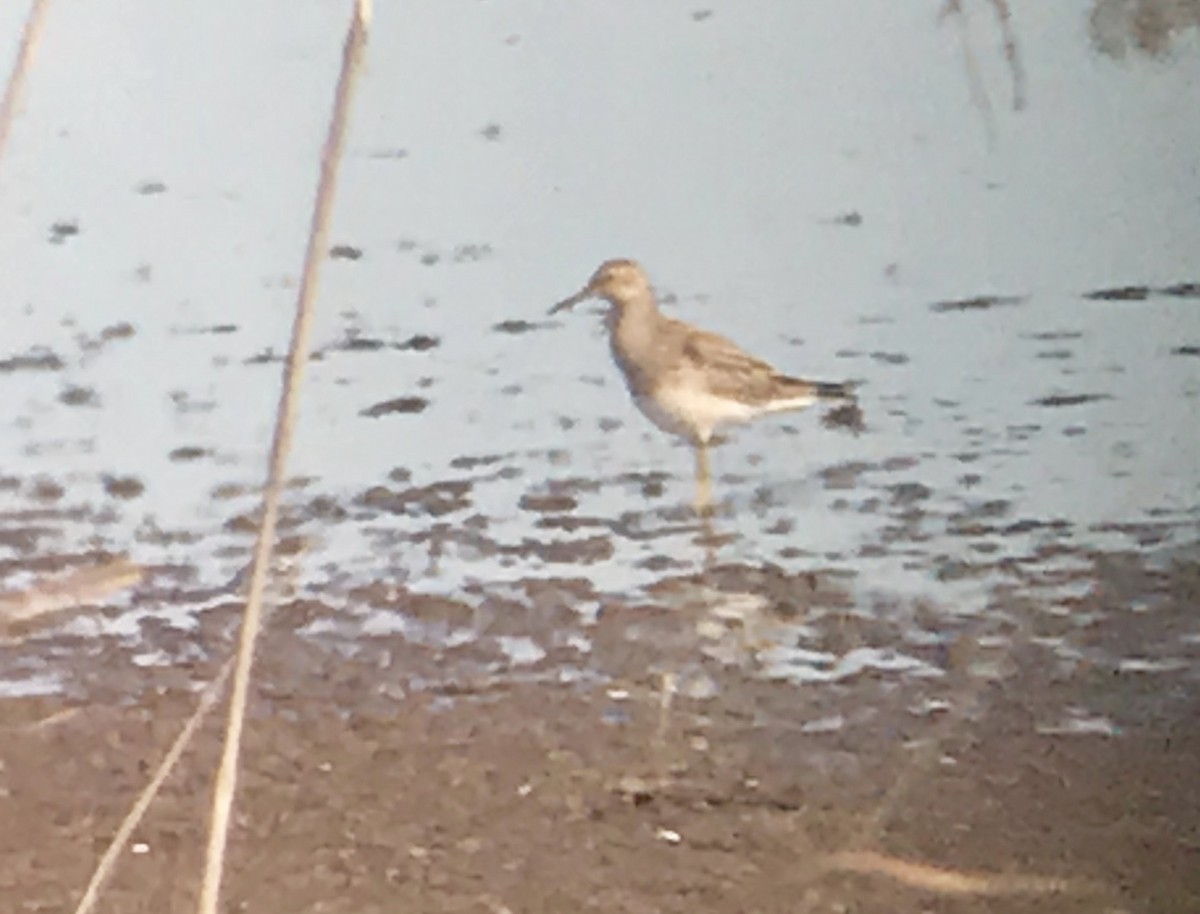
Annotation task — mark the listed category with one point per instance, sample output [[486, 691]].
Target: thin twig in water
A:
[[77, 587], [860, 858], [226, 784], [929, 877], [1011, 53], [34, 23], [925, 876], [1012, 56], [979, 94], [125, 831], [208, 699], [943, 881], [926, 755]]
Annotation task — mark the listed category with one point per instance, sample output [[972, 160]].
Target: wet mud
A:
[[739, 736], [934, 651], [656, 771]]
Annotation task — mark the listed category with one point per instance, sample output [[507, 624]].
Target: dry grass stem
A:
[[77, 587], [226, 781], [1012, 56], [34, 24], [104, 868], [1011, 53], [944, 881], [925, 756]]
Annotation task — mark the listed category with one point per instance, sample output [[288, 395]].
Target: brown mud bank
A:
[[618, 796]]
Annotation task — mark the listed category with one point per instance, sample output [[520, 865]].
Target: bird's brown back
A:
[[728, 371]]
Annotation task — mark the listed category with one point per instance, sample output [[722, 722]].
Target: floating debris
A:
[[46, 490], [978, 303], [548, 503], [79, 396], [126, 487], [1069, 399], [354, 343], [471, 253], [1121, 293], [119, 331], [514, 327], [436, 499], [848, 416], [470, 462], [187, 453], [909, 493], [1053, 335], [398, 405], [943, 881], [397, 153], [61, 231], [76, 588], [1182, 290], [345, 252], [418, 343], [36, 359]]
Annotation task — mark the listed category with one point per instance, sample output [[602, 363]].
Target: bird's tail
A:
[[828, 390]]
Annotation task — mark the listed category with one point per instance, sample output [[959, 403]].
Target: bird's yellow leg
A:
[[703, 480]]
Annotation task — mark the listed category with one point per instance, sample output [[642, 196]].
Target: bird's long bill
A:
[[582, 295]]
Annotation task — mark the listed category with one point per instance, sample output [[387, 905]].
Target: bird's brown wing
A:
[[728, 371]]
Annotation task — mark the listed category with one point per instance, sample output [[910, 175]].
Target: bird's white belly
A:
[[692, 413]]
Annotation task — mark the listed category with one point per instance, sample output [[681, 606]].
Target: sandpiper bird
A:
[[687, 381]]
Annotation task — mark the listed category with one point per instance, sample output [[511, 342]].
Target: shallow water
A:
[[1015, 290], [1012, 542]]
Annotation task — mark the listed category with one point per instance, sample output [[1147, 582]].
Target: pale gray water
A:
[[490, 169]]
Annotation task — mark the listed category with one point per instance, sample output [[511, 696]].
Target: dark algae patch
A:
[[124, 487], [1182, 290], [345, 252], [1069, 399], [61, 231], [418, 342], [977, 303], [514, 327], [1120, 293], [36, 359], [1142, 293], [397, 405], [79, 396]]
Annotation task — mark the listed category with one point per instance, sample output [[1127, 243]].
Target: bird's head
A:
[[618, 281]]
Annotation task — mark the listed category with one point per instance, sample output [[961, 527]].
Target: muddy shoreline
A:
[[663, 768], [550, 797]]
